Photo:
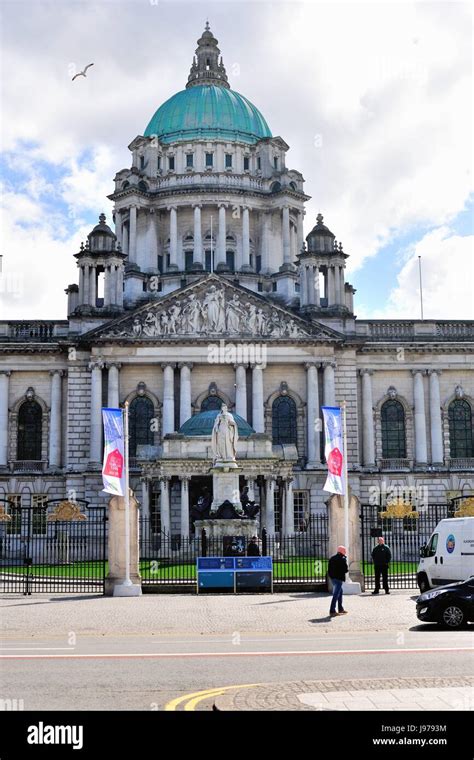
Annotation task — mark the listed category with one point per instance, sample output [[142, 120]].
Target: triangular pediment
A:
[[211, 307]]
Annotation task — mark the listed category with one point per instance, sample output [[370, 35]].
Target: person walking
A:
[[381, 556], [337, 569]]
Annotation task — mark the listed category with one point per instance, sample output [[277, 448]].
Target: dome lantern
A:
[[206, 67]]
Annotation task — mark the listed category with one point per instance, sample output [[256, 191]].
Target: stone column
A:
[[437, 456], [265, 245], [168, 398], [198, 250], [285, 221], [93, 286], [86, 284], [368, 444], [185, 392], [132, 241], [241, 390], [113, 391], [270, 505], [118, 227], [331, 299], [303, 284], [173, 237], [145, 505], [55, 419], [300, 231], [165, 505], [342, 296], [421, 454], [221, 240], [289, 517], [4, 392], [329, 384], [184, 505], [312, 422], [125, 237], [96, 366], [317, 294], [258, 419], [245, 239], [119, 284], [107, 285], [81, 285]]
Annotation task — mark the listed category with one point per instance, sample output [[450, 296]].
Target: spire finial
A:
[[208, 28]]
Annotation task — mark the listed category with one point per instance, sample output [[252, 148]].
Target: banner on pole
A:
[[113, 468], [334, 449]]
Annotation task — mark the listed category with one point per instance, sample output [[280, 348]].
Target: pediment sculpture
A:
[[214, 311]]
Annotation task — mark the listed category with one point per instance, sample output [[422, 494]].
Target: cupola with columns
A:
[[209, 190], [101, 255], [321, 273]]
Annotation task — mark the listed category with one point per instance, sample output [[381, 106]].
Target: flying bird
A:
[[82, 73]]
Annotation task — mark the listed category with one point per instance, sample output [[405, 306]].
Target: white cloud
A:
[[447, 277]]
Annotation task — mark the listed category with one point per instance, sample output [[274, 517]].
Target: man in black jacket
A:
[[337, 569], [381, 556]]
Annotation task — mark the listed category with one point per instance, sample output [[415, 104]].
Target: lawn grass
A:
[[305, 568]]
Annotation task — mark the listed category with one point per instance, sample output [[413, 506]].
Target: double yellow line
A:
[[191, 700]]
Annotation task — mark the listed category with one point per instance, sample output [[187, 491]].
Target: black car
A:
[[452, 606]]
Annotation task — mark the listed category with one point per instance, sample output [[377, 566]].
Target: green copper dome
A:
[[210, 112], [202, 424]]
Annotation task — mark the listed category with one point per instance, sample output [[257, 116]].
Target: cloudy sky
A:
[[374, 100]]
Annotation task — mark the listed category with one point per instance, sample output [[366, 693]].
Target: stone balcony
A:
[[415, 330], [28, 465], [33, 331]]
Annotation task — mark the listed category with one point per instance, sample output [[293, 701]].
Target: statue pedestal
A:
[[225, 482], [220, 528]]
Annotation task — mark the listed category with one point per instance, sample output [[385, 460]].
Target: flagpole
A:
[[127, 581], [346, 483]]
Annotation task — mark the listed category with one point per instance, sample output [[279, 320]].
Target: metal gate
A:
[[58, 547], [403, 533], [168, 561]]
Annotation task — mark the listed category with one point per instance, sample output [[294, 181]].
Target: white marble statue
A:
[[224, 437]]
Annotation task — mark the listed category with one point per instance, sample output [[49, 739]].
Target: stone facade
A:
[[266, 316]]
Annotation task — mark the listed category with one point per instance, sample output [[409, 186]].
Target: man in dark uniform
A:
[[381, 556]]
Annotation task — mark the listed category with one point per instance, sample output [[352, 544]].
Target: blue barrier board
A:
[[253, 563], [215, 563], [216, 580], [258, 580]]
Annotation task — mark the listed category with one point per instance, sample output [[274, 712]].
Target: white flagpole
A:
[[127, 581], [346, 484]]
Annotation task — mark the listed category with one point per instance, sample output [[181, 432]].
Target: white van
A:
[[449, 554]]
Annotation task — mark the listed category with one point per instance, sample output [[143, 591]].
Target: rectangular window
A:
[[171, 163], [155, 514], [38, 503], [258, 263], [208, 261], [275, 162], [189, 160], [259, 163], [259, 287], [13, 526], [277, 505], [300, 502], [274, 287], [159, 163], [246, 163], [209, 159], [228, 160], [188, 255]]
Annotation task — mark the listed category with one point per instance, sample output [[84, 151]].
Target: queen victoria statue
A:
[[224, 437]]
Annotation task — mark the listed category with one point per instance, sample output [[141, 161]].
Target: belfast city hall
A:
[[208, 287]]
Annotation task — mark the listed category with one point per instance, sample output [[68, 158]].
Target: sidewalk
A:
[[154, 614], [395, 694]]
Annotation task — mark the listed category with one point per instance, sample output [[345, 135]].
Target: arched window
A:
[[140, 415], [275, 187], [29, 430], [284, 420], [210, 403], [143, 186], [393, 430], [460, 429]]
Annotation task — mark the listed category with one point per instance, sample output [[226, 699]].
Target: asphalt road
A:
[[144, 672]]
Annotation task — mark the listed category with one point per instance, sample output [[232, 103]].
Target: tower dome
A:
[[208, 108]]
